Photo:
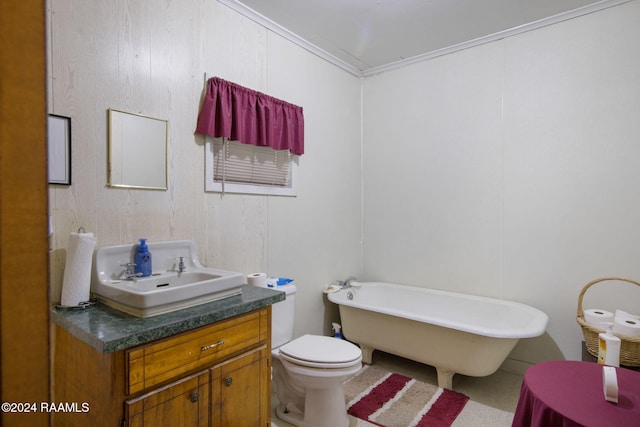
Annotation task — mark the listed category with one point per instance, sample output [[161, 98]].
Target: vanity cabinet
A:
[[236, 388], [183, 403], [215, 375]]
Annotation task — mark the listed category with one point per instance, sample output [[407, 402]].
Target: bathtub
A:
[[455, 333]]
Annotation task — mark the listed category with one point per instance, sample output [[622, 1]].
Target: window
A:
[[233, 167], [271, 132]]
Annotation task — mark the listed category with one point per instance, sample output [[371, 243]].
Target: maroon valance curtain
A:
[[241, 114]]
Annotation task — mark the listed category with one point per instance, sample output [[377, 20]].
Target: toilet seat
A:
[[317, 351]]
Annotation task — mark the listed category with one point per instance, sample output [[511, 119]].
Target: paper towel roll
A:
[[257, 279], [627, 327], [76, 284], [596, 317]]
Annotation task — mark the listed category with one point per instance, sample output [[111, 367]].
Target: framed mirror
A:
[[137, 151]]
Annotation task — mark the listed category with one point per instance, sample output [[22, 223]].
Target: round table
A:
[[570, 393]]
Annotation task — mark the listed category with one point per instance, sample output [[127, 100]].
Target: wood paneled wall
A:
[[151, 58]]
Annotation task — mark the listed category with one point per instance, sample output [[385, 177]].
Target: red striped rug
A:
[[392, 400]]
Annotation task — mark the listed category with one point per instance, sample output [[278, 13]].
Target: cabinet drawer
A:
[[156, 363]]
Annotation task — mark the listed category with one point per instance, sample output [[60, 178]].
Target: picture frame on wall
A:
[[59, 149]]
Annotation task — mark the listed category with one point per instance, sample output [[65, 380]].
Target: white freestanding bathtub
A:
[[455, 333]]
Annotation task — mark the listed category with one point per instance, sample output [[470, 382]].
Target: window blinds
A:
[[235, 162]]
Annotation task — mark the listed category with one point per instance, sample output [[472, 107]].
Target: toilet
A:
[[308, 372]]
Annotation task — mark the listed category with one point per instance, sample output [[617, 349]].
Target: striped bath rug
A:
[[392, 400]]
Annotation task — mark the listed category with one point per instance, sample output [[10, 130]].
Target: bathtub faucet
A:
[[347, 283]]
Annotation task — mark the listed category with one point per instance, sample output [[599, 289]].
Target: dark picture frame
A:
[[59, 149]]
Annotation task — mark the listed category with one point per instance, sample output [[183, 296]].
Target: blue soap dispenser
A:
[[142, 259]]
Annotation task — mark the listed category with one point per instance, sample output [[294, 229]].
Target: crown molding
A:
[[294, 38]]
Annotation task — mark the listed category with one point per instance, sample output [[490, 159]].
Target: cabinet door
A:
[[182, 403], [240, 391]]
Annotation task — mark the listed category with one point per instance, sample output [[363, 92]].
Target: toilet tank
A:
[[282, 317]]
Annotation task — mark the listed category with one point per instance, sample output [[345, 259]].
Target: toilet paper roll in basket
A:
[[257, 279], [596, 317], [76, 284], [621, 314], [627, 327]]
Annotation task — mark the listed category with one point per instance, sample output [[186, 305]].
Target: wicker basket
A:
[[629, 346]]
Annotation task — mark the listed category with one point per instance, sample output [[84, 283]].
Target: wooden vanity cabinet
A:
[[183, 403], [216, 375]]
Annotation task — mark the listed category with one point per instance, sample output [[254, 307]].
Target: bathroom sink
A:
[[174, 279], [170, 287]]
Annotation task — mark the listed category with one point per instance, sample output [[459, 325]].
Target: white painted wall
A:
[[151, 57], [507, 170], [511, 170]]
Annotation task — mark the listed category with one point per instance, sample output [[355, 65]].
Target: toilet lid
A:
[[318, 349]]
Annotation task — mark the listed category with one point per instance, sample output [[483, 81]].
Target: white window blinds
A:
[[235, 162]]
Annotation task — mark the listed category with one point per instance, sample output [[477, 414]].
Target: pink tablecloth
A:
[[569, 393]]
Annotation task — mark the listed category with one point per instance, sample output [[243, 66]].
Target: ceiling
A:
[[369, 36]]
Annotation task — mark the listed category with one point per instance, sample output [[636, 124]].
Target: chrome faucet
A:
[[347, 283], [129, 272], [181, 266]]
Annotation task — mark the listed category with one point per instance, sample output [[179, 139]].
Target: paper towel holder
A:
[[81, 306]]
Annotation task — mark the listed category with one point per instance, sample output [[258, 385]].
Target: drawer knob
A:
[[215, 344], [228, 381], [194, 396]]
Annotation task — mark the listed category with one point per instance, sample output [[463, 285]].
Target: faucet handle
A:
[[128, 266], [129, 272], [181, 266], [348, 282]]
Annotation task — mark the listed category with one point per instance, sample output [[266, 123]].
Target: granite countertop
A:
[[109, 330]]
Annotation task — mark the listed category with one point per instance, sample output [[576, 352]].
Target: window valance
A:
[[245, 115]]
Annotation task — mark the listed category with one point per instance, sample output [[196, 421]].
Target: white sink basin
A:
[[173, 279], [168, 288]]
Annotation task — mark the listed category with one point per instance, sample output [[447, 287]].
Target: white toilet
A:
[[308, 372]]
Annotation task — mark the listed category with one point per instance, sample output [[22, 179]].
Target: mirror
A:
[[137, 152]]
